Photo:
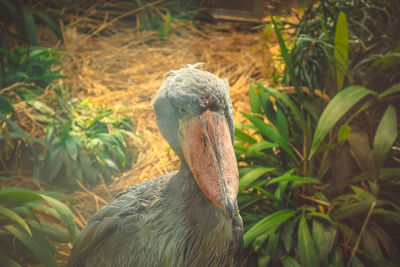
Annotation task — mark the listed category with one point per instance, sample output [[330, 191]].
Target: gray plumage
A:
[[167, 221]]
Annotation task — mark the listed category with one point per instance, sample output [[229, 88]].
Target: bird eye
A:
[[182, 110]]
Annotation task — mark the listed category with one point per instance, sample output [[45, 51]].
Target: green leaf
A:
[[13, 216], [253, 175], [271, 133], [6, 261], [242, 136], [385, 135], [392, 90], [167, 24], [71, 146], [65, 214], [41, 107], [324, 238], [290, 262], [11, 197], [267, 225], [307, 251], [30, 25], [388, 215], [254, 100], [262, 145], [51, 230], [6, 106], [287, 234], [384, 174], [286, 56], [292, 178], [341, 49], [320, 215], [337, 107], [42, 253]]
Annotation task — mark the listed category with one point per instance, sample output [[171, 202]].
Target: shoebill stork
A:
[[188, 217]]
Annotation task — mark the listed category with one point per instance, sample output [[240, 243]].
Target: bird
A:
[[188, 217]]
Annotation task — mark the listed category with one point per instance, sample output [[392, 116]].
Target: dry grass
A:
[[127, 69]]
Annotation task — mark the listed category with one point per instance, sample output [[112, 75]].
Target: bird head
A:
[[194, 114]]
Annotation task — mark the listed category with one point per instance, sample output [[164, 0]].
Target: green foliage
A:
[[31, 67], [83, 141], [336, 42], [333, 178], [24, 19], [24, 232]]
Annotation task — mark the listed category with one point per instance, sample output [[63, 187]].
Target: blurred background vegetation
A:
[[318, 153]]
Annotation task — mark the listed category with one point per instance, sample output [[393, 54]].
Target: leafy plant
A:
[[30, 67], [293, 179], [311, 166], [25, 232], [332, 50], [84, 142], [24, 19]]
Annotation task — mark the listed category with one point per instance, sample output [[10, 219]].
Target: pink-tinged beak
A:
[[205, 142]]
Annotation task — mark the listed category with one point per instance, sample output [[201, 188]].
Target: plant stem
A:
[[361, 233]]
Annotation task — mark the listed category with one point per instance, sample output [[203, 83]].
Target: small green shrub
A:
[[24, 234], [83, 141], [313, 190], [32, 67], [319, 55], [320, 171]]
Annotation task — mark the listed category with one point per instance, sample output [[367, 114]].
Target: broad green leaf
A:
[[254, 100], [319, 215], [242, 136], [262, 145], [42, 253], [30, 25], [290, 262], [15, 217], [253, 175], [324, 238], [71, 146], [292, 178], [384, 65], [271, 133], [361, 205], [51, 230], [167, 23], [267, 225], [11, 197], [284, 97], [6, 261], [392, 90], [307, 251], [385, 135], [371, 244], [337, 107], [384, 174], [286, 56], [65, 214], [388, 215], [41, 107], [287, 234], [341, 49]]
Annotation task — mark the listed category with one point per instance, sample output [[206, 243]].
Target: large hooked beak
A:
[[206, 145]]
